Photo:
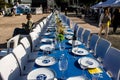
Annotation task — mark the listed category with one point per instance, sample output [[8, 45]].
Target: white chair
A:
[[14, 41], [37, 29], [41, 24], [112, 63], [26, 44], [22, 57], [34, 40], [9, 68]]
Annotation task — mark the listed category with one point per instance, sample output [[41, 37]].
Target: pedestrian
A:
[[115, 20], [104, 22], [66, 11], [26, 27]]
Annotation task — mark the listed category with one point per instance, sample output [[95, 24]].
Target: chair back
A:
[[112, 63], [37, 29], [34, 40], [102, 48], [76, 27], [86, 36], [80, 34], [68, 22], [9, 69], [93, 41], [26, 44], [21, 56], [41, 24], [13, 40]]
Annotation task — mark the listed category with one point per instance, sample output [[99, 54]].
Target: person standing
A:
[[115, 20], [104, 22]]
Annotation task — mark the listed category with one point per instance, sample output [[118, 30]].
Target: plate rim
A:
[[46, 64], [75, 40], [80, 54], [88, 65], [46, 45], [51, 70]]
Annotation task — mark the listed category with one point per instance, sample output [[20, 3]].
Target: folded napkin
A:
[[95, 70]]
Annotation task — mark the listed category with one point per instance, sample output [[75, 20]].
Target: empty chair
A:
[[26, 44], [102, 48], [86, 36], [80, 33], [68, 22], [41, 24], [34, 40], [76, 27], [11, 43], [21, 56], [93, 41], [37, 29], [9, 69], [44, 21], [112, 63]]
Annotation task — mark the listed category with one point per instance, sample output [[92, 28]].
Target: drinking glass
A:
[[63, 64], [61, 46]]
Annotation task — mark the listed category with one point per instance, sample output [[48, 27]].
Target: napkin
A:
[[95, 70]]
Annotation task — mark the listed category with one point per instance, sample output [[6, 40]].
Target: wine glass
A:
[[63, 64]]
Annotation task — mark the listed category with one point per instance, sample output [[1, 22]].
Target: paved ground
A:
[[8, 24]]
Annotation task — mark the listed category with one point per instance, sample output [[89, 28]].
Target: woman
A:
[[104, 22]]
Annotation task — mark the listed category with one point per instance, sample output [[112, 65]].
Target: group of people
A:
[[106, 19]]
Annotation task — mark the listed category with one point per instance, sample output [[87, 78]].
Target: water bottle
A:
[[73, 40], [63, 62]]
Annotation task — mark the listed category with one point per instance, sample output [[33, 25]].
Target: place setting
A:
[[78, 78], [79, 51], [87, 62], [47, 47], [41, 74], [74, 42], [45, 60], [69, 37], [46, 40]]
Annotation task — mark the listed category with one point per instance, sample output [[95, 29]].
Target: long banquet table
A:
[[74, 68]]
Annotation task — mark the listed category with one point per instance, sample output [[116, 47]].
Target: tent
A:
[[107, 3], [116, 4], [97, 5]]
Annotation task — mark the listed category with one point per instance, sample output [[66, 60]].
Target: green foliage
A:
[[3, 3], [60, 37]]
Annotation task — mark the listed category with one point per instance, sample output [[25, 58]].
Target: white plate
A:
[[41, 72], [45, 61], [48, 33], [46, 40], [77, 78], [79, 51], [68, 32], [46, 47], [88, 62], [76, 42], [69, 36]]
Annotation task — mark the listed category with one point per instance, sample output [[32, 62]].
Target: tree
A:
[[3, 4]]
